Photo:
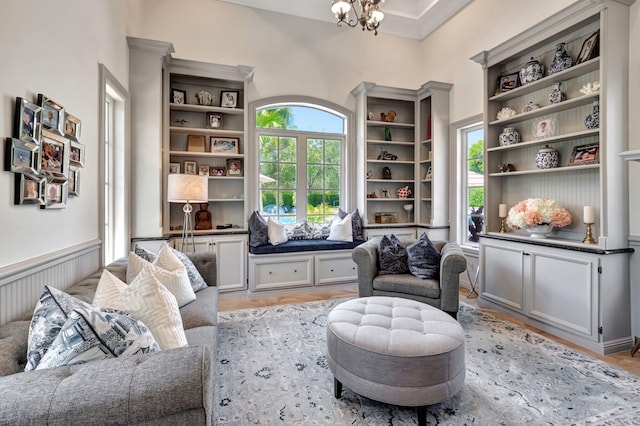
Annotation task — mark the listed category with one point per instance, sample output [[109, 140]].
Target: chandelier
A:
[[369, 16]]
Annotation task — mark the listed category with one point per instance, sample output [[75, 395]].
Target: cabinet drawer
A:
[[332, 269], [281, 273]]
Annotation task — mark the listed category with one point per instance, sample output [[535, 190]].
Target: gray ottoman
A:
[[396, 351]]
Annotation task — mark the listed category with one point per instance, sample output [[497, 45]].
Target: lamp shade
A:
[[183, 188]]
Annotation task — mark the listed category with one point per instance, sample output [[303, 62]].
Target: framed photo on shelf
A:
[[29, 189], [76, 154], [74, 181], [195, 143], [71, 126], [190, 168], [203, 171], [54, 155], [22, 157], [214, 120], [52, 114], [585, 154], [56, 194], [507, 82], [217, 171], [229, 98], [590, 48], [27, 121], [178, 96], [544, 127], [174, 168], [223, 145], [234, 167]]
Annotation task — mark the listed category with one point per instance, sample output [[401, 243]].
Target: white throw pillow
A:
[[147, 300], [277, 232], [169, 270], [341, 229]]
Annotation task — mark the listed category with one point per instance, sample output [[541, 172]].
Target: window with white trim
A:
[[471, 139]]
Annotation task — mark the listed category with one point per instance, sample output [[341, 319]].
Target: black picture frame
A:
[[22, 157], [52, 114], [29, 189], [234, 167], [27, 119], [585, 154], [229, 98], [54, 155], [214, 120], [507, 82], [590, 48], [178, 96]]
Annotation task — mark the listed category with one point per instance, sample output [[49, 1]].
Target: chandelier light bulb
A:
[[340, 8], [368, 17]]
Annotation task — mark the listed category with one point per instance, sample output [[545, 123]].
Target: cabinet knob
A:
[[295, 270], [332, 270], [269, 272]]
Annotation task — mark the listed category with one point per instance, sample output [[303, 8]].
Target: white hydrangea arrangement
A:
[[538, 211]]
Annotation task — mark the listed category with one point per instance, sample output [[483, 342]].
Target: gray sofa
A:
[[169, 387], [442, 293]]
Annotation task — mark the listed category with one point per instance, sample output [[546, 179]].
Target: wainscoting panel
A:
[[21, 284]]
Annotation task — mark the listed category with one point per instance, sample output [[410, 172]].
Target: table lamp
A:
[[502, 214], [187, 189]]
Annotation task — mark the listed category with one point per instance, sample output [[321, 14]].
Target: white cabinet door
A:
[[334, 268], [231, 257], [562, 290], [502, 274]]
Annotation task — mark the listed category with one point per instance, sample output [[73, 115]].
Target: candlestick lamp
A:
[[589, 218], [502, 214]]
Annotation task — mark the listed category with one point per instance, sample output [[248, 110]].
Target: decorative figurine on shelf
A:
[[561, 61], [388, 116], [590, 88], [372, 195], [203, 217], [386, 155], [556, 96], [403, 192], [386, 173], [370, 116], [530, 106], [385, 193], [505, 112], [506, 167], [204, 98], [531, 71], [509, 136], [369, 174], [387, 133]]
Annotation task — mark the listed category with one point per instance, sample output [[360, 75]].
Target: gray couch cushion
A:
[[13, 347], [202, 311], [407, 284]]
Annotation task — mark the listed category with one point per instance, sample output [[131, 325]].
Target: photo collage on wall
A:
[[45, 153]]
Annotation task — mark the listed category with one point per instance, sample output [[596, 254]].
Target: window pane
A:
[[474, 144], [268, 148], [298, 117], [332, 177], [315, 176], [288, 176], [287, 150], [332, 152], [315, 150]]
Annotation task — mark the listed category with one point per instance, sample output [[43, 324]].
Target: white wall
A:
[[634, 113], [54, 47]]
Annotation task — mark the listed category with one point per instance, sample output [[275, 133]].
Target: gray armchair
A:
[[443, 293]]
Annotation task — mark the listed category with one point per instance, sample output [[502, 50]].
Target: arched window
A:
[[301, 160]]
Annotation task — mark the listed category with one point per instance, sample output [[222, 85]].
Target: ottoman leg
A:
[[422, 415], [337, 388]]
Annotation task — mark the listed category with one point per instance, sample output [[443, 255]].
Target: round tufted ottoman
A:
[[396, 351]]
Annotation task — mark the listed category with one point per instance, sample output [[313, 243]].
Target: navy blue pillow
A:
[[392, 256], [258, 230], [424, 258]]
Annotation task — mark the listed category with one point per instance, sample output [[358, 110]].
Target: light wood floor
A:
[[622, 360]]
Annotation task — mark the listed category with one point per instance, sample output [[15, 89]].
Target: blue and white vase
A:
[[531, 71], [547, 158], [530, 106], [509, 136], [556, 95], [561, 60], [592, 121]]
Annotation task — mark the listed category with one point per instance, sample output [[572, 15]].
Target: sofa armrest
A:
[[205, 262], [167, 387], [366, 258], [452, 264]]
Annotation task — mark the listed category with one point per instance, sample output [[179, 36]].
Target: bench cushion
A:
[[293, 246]]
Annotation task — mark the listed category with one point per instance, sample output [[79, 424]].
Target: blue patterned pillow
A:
[[424, 259], [392, 256], [49, 316], [318, 231], [147, 255], [296, 231], [356, 223], [92, 334], [197, 282], [258, 230]]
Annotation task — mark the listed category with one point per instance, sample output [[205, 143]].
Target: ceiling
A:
[[414, 19]]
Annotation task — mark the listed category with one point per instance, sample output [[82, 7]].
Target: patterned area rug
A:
[[272, 369]]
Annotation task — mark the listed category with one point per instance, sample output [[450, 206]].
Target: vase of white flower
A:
[[538, 216]]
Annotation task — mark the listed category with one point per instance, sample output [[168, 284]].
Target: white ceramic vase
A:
[[539, 231]]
